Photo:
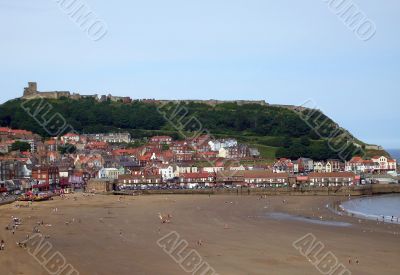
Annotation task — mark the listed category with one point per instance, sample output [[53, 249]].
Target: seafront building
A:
[[162, 162]]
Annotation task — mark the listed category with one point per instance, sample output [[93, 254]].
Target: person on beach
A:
[[2, 245]]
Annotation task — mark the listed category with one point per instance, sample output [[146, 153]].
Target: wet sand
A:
[[234, 235]]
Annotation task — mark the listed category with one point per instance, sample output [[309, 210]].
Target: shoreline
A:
[[370, 217]]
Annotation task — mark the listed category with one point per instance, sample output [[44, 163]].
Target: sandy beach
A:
[[233, 234]]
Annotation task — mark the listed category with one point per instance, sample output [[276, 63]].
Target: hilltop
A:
[[278, 131]]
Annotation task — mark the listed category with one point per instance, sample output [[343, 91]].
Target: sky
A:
[[282, 51]]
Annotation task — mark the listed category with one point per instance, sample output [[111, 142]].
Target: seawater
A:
[[383, 208]]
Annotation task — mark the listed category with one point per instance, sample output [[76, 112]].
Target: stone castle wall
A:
[[31, 92]]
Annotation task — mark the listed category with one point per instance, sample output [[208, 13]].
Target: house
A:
[[237, 168], [283, 166], [329, 166], [332, 179], [319, 167], [184, 169], [254, 152], [359, 165], [109, 173], [126, 152], [213, 169], [10, 168], [70, 138], [377, 164], [110, 137], [139, 181], [200, 143], [192, 180], [161, 140], [166, 172], [51, 145], [234, 152], [264, 178], [4, 148], [334, 165], [305, 165], [117, 138], [232, 178], [385, 164], [183, 157], [46, 177], [206, 155], [216, 145], [96, 145]]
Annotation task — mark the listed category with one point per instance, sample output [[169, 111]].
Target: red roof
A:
[[145, 157], [50, 142], [356, 159], [22, 132], [302, 178], [120, 152]]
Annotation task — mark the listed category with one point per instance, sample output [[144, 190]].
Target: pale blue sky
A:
[[281, 51]]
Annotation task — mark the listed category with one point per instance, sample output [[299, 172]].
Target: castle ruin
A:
[[31, 92]]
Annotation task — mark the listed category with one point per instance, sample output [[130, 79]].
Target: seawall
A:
[[320, 191]]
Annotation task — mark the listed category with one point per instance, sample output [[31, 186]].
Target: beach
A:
[[233, 234]]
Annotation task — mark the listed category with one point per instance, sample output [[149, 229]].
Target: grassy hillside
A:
[[276, 131]]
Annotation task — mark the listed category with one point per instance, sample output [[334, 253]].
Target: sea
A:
[[383, 207]]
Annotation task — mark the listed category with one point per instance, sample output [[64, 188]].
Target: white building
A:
[[216, 145], [185, 170], [213, 169], [166, 172], [385, 164], [109, 173]]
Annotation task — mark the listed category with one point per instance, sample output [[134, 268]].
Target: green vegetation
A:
[[67, 149], [20, 146], [275, 131]]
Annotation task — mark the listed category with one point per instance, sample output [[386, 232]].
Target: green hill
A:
[[276, 131]]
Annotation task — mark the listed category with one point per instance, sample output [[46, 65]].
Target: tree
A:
[[287, 142], [165, 147], [20, 146], [67, 149], [304, 140]]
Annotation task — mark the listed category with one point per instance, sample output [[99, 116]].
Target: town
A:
[[107, 162]]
